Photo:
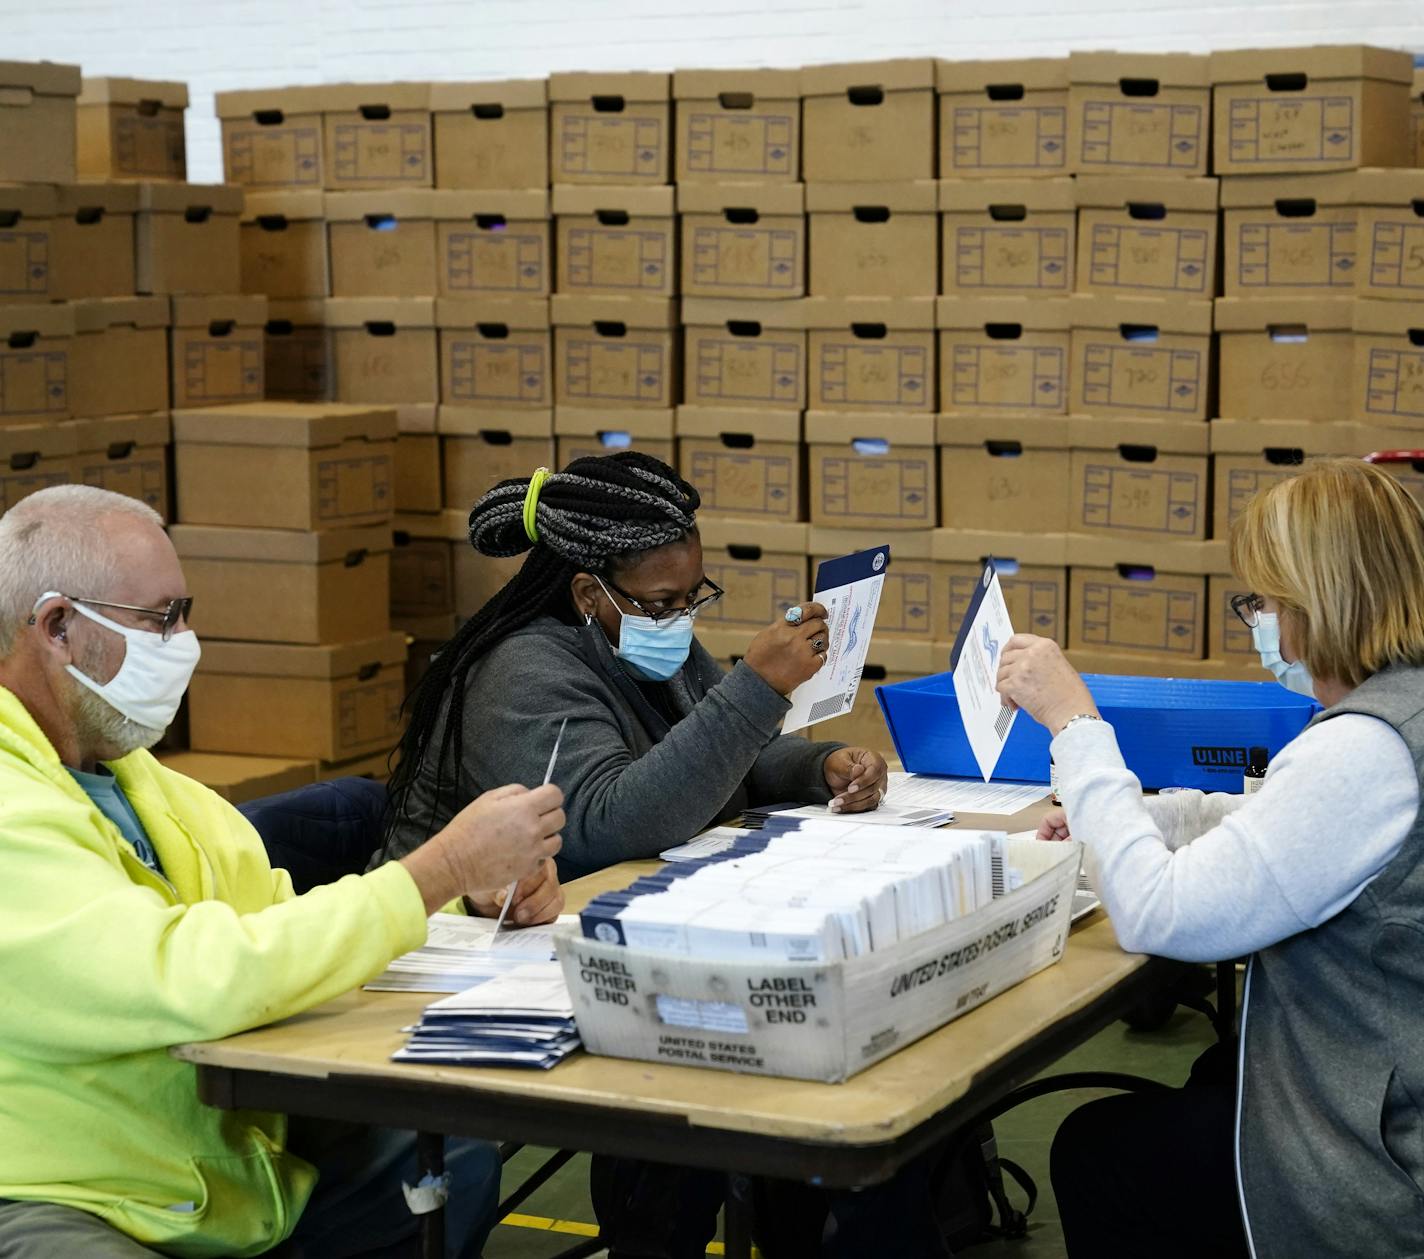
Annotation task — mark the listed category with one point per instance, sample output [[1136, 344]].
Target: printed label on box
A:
[[616, 371], [148, 146], [1012, 257], [1135, 378], [1006, 138], [384, 152], [494, 262], [135, 477], [1140, 498], [270, 157], [873, 375], [888, 489], [746, 144], [1116, 133], [1014, 377], [730, 481], [368, 713], [352, 486], [34, 382], [1396, 383], [1171, 259], [17, 485], [483, 371], [905, 603], [1139, 620], [748, 371], [1397, 256], [298, 366], [734, 258], [222, 371], [1296, 255], [1034, 606], [626, 145], [608, 259], [757, 593], [24, 264], [1301, 129]]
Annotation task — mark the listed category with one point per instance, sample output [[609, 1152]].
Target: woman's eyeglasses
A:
[[696, 602], [1249, 608]]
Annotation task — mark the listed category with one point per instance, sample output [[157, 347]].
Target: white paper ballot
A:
[[961, 795], [975, 661], [849, 589]]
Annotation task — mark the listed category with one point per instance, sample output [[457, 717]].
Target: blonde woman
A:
[[1317, 1147]]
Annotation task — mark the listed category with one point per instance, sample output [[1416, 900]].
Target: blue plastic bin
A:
[[1174, 732]]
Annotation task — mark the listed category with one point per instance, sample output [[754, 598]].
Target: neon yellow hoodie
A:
[[106, 964]]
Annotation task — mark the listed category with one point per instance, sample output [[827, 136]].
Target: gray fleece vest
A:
[[1331, 1146]]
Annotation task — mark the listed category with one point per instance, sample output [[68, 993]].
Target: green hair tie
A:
[[531, 501]]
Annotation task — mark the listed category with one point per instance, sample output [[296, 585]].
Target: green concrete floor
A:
[[1024, 1136]]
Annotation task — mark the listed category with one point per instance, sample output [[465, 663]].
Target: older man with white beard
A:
[[138, 911]]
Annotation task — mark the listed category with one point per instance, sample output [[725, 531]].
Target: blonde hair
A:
[[1341, 549]]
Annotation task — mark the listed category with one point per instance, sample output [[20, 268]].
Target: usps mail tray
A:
[[816, 1020], [1173, 732]]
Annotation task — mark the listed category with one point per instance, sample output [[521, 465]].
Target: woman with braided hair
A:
[[596, 627]]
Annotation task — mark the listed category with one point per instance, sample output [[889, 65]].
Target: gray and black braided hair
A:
[[599, 515]]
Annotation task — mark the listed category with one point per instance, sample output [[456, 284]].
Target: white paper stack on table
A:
[[461, 951], [890, 813]]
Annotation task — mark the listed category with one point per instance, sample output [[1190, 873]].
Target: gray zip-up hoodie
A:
[[634, 782]]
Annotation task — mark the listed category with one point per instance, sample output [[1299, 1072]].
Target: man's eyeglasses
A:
[[1249, 608], [176, 610], [696, 602]]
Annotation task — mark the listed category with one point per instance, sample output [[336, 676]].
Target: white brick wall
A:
[[216, 45]]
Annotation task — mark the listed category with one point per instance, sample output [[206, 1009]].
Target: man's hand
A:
[[539, 898], [857, 777], [1054, 825], [1035, 675], [494, 841]]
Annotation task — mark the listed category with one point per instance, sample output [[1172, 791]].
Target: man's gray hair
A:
[[55, 540]]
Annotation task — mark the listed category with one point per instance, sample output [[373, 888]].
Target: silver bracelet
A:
[[1073, 721]]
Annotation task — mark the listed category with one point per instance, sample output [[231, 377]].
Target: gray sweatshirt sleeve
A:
[[619, 808]]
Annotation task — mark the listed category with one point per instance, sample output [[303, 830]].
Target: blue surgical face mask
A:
[[1292, 674], [653, 651]]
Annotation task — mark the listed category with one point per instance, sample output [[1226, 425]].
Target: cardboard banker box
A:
[[1008, 236], [286, 586], [217, 352], [1145, 596], [911, 598], [1311, 109], [119, 356], [1146, 235], [873, 121], [34, 457], [298, 351], [382, 243], [744, 463], [1291, 235], [491, 135], [495, 353], [871, 354], [1389, 364], [329, 703], [481, 448], [616, 242], [416, 469], [1141, 357], [1004, 473], [131, 129], [422, 576], [384, 349], [186, 238], [584, 432], [376, 135], [285, 465], [272, 138], [493, 244], [36, 348], [738, 126], [872, 470], [1003, 118], [760, 565], [238, 779], [1138, 113], [1391, 234], [1140, 479], [610, 128], [27, 216], [743, 240], [284, 247], [1033, 574], [744, 354], [37, 121], [1003, 355], [873, 240], [127, 454], [1249, 456], [1286, 359], [615, 351], [93, 237]]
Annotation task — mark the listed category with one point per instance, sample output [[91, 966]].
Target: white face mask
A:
[[151, 682], [1293, 675]]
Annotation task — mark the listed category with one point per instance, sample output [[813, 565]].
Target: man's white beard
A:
[[102, 729]]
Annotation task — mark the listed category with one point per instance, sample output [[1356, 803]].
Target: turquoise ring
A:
[[793, 615]]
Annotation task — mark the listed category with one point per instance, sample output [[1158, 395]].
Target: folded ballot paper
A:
[[461, 951], [822, 893]]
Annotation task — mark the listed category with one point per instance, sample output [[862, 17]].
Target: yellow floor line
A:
[[545, 1224]]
